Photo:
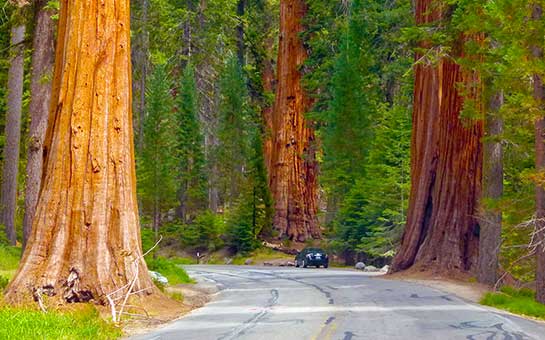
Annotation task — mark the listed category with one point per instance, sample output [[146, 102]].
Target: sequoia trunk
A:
[[491, 217], [293, 164], [446, 151], [85, 239], [267, 77], [43, 58]]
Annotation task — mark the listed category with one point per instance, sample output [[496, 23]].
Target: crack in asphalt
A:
[[493, 332], [253, 321]]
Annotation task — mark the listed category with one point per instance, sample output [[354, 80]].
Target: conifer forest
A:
[[407, 133]]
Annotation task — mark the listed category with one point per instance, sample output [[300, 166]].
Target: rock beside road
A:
[[360, 266], [248, 262], [370, 269], [385, 269]]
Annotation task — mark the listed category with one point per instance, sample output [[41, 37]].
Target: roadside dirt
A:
[[459, 286], [167, 308]]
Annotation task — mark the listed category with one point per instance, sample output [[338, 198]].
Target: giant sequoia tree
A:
[[293, 172], [442, 230], [85, 240]]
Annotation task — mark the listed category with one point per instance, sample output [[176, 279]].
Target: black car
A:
[[312, 257]]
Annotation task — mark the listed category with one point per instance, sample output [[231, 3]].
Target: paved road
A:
[[290, 303]]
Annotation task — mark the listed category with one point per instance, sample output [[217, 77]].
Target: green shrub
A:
[[169, 269], [3, 282], [204, 232], [518, 301], [83, 323]]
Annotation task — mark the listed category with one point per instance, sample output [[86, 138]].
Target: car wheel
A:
[[296, 264], [304, 264], [326, 265]]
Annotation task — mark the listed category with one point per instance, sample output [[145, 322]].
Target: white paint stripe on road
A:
[[229, 290], [333, 309]]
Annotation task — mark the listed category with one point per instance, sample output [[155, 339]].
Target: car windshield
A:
[[314, 250]]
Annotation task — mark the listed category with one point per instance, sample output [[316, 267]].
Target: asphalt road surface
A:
[[295, 303]]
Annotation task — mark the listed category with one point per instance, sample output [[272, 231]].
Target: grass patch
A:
[[517, 301], [262, 255], [169, 268], [83, 323], [9, 261]]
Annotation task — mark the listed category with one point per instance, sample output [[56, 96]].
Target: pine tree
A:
[[192, 181], [156, 165], [233, 132]]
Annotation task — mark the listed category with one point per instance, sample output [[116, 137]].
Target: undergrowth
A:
[[517, 301], [169, 268], [81, 323]]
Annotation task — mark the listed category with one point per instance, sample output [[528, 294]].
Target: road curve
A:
[[290, 303]]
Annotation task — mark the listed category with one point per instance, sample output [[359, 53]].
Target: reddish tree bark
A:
[[43, 58], [442, 231], [268, 80], [8, 203], [85, 240], [293, 164]]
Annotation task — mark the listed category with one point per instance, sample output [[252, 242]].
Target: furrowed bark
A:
[[491, 218], [43, 58], [293, 177], [85, 239], [446, 152], [8, 203]]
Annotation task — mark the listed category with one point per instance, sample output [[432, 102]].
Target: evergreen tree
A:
[[156, 165], [234, 131], [251, 216], [192, 192]]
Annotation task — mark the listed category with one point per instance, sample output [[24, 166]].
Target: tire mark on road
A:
[[253, 321]]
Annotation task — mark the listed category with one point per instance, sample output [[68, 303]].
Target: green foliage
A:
[[156, 183], [169, 269], [234, 132], [251, 215], [192, 181], [204, 232], [518, 301], [3, 282], [9, 260], [82, 323], [365, 125]]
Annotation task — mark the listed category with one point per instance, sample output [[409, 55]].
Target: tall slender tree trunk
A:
[[491, 218], [43, 58], [294, 169], [241, 6], [142, 64], [539, 96], [446, 153], [268, 79], [8, 204], [85, 239]]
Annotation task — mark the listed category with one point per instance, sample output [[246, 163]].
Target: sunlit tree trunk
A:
[[442, 230], [8, 203], [294, 168], [491, 217], [43, 58], [85, 239], [268, 80]]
